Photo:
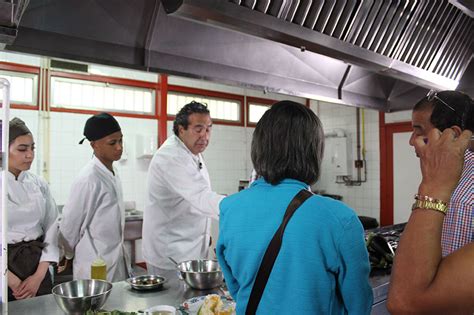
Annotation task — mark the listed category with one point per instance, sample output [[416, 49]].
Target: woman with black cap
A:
[[32, 214], [93, 216]]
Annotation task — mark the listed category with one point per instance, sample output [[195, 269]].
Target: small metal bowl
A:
[[146, 282]]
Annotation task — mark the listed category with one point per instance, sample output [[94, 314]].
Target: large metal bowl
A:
[[201, 274], [79, 296]]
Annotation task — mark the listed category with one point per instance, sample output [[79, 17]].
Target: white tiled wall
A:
[[67, 157], [227, 157], [364, 199]]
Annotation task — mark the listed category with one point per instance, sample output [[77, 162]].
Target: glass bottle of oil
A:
[[99, 269]]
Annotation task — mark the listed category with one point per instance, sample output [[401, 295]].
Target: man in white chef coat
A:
[[179, 201], [94, 215]]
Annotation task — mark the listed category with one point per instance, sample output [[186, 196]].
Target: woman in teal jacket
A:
[[323, 265]]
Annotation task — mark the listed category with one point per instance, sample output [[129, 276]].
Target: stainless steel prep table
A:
[[121, 298], [124, 298], [380, 284]]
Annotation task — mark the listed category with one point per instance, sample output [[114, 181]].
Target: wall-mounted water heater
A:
[[338, 155]]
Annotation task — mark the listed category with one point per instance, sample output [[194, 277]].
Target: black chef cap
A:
[[99, 126], [16, 129]]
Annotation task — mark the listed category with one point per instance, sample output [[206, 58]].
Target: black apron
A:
[[23, 260]]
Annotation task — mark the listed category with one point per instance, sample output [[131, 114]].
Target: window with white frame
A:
[[83, 94], [23, 87], [256, 111], [220, 108]]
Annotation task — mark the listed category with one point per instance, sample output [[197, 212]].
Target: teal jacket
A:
[[322, 267]]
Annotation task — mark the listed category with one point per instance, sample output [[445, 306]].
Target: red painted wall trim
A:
[[23, 106], [386, 199], [190, 90], [242, 112], [41, 95], [386, 166], [8, 66], [99, 78], [163, 107], [47, 82], [260, 101]]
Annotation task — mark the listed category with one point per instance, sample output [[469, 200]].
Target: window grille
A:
[[83, 94]]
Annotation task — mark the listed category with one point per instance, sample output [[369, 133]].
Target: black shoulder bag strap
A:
[[272, 252]]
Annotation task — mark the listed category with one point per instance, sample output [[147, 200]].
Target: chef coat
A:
[[178, 207], [32, 213], [93, 222]]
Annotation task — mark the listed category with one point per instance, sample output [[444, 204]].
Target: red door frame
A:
[[386, 166], [162, 100]]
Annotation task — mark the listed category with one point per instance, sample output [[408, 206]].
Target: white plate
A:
[[191, 306], [158, 308]]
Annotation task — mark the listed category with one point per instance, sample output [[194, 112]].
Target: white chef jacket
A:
[[94, 216], [32, 213], [178, 207]]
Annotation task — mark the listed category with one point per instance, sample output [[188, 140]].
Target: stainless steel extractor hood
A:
[[10, 16], [426, 42], [209, 44]]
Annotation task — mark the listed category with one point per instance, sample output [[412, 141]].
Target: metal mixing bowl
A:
[[201, 274], [79, 296]]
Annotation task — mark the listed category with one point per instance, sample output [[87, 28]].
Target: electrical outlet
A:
[[359, 163]]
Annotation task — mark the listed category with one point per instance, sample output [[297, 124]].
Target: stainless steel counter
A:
[[380, 284], [121, 298], [174, 293]]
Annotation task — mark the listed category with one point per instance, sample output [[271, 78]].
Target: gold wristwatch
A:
[[428, 203]]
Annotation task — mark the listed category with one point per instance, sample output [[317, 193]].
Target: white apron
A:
[[32, 213]]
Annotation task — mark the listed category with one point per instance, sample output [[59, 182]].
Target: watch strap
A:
[[429, 203]]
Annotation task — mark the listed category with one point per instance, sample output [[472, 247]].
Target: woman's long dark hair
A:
[[288, 142]]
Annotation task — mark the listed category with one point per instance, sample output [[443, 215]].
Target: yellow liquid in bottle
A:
[[99, 269]]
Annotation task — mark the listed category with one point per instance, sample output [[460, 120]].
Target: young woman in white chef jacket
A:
[[32, 214], [93, 218]]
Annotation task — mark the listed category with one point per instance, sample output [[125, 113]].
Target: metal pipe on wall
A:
[[45, 119], [360, 163], [5, 85]]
